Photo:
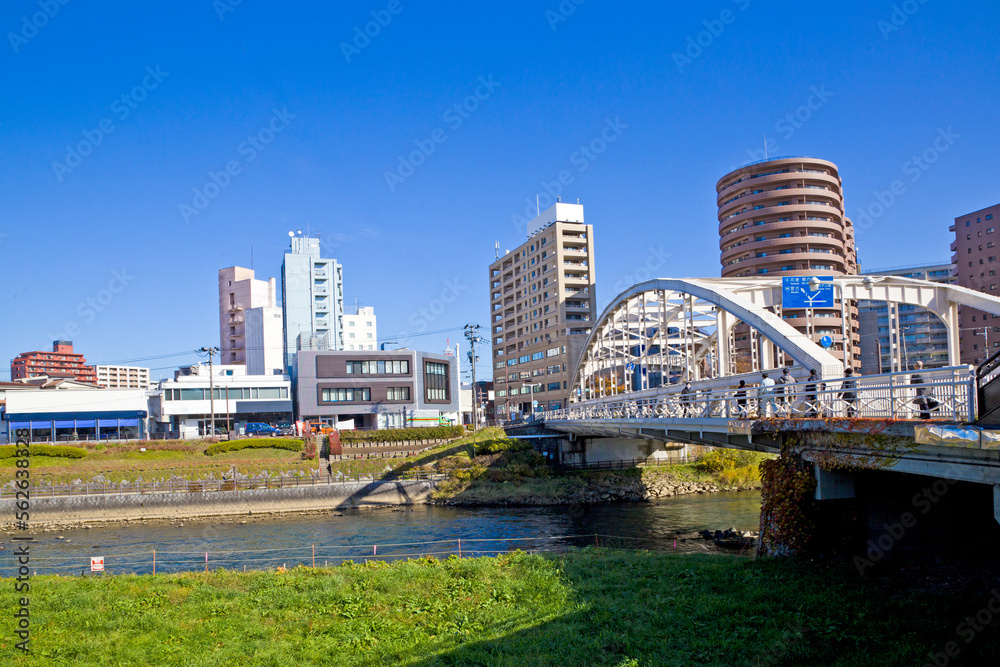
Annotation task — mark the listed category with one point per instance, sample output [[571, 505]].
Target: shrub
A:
[[743, 477], [254, 443], [722, 459], [65, 451], [404, 434], [500, 446]]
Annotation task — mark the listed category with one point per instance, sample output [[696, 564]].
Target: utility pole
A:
[[211, 383], [472, 334]]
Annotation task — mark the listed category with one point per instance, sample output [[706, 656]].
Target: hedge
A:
[[10, 451], [254, 443], [404, 434]]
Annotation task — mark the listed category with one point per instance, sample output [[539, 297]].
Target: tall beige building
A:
[[975, 265], [543, 304], [122, 377], [786, 217], [244, 334]]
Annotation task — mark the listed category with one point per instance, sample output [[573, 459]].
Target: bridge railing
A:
[[937, 395]]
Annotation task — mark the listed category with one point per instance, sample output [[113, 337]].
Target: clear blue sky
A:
[[886, 90]]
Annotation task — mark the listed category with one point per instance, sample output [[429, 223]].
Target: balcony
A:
[[235, 307]]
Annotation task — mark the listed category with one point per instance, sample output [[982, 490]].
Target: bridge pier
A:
[[833, 484]]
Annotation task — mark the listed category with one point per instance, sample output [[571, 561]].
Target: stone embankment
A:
[[634, 489]]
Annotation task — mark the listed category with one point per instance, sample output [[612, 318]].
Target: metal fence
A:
[[940, 395], [135, 560]]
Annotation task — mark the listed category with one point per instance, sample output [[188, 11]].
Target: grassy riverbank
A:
[[593, 607]]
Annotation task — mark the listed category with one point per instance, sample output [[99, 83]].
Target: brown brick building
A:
[[976, 263], [62, 361]]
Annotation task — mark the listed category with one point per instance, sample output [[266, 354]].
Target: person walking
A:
[[925, 399], [849, 393], [785, 400], [687, 399], [811, 394], [741, 399], [766, 396]]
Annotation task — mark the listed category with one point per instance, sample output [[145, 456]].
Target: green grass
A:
[[593, 607]]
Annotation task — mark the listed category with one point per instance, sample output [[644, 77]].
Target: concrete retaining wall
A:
[[213, 503]]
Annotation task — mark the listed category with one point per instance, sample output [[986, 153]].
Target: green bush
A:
[[743, 476], [724, 459], [403, 434], [501, 445], [254, 443], [65, 451]]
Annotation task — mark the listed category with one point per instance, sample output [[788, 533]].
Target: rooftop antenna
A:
[[251, 257], [538, 209], [496, 247], [765, 146]]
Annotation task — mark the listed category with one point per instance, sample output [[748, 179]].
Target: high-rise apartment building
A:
[[62, 361], [543, 304], [785, 217], [239, 293], [975, 266], [312, 299], [361, 330], [122, 377], [924, 336]]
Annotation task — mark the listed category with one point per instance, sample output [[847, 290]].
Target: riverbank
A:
[[589, 607]]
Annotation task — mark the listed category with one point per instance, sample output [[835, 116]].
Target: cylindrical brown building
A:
[[785, 217]]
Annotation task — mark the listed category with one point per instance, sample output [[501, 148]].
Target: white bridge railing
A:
[[943, 394]]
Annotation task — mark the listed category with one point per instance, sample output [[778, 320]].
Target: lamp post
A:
[[210, 351], [531, 394]]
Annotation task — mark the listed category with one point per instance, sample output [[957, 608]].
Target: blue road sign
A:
[[826, 341], [797, 293], [630, 366]]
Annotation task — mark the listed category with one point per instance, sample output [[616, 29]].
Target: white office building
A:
[[361, 330], [185, 405], [312, 299], [122, 377]]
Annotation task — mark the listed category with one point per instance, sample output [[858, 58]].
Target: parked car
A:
[[259, 428], [286, 429]]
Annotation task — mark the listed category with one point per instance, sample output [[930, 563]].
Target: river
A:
[[261, 542]]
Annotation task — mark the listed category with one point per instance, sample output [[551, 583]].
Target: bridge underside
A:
[[912, 447]]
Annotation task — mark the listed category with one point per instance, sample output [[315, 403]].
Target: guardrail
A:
[[208, 485], [624, 463], [937, 395]]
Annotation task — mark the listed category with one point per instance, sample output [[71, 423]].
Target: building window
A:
[[347, 395], [398, 394], [397, 367], [436, 381]]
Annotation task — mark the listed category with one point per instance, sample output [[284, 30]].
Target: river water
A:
[[259, 542]]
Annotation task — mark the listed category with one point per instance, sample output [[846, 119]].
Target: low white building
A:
[[53, 415], [185, 404]]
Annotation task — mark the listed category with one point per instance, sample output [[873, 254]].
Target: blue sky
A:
[[101, 244]]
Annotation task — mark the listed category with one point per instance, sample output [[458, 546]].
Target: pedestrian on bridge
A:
[[687, 399], [741, 399], [811, 395], [849, 393], [925, 399], [765, 396], [784, 400]]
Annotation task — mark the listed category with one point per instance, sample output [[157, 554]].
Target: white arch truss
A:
[[670, 330]]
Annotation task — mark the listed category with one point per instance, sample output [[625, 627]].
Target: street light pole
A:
[[210, 351], [472, 334]]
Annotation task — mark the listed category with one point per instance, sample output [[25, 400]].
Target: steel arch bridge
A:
[[667, 330]]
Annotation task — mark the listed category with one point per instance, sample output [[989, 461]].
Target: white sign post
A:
[[97, 564]]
